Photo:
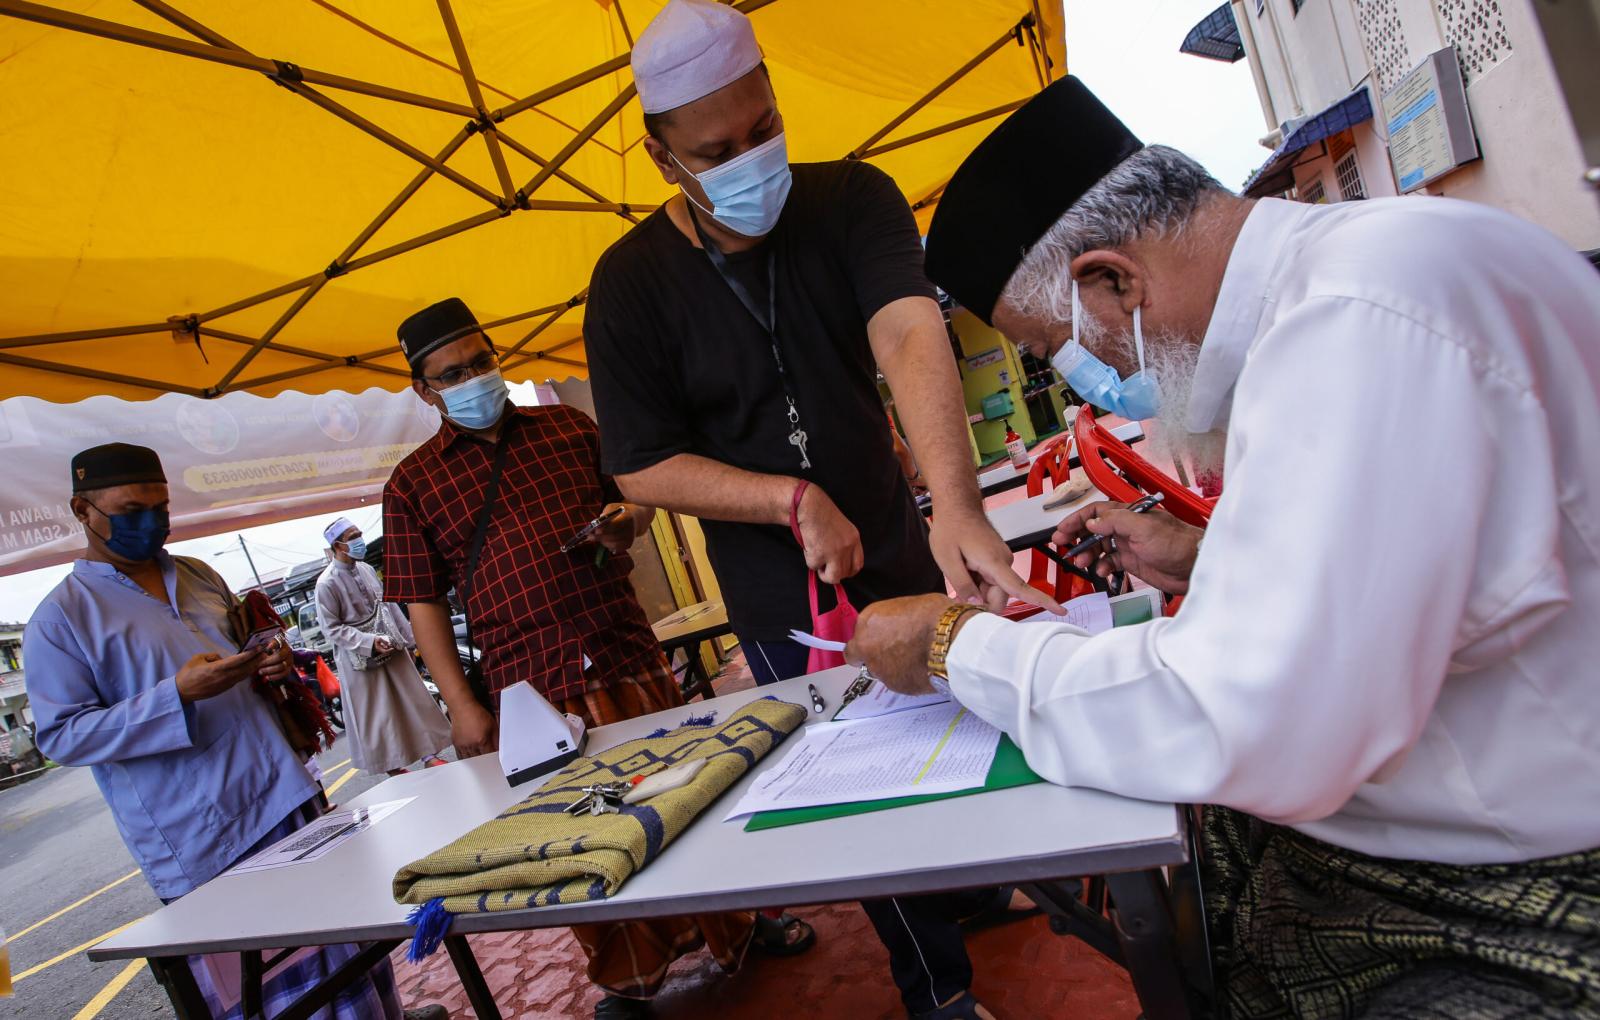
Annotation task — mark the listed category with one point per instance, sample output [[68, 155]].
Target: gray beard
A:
[[1173, 358]]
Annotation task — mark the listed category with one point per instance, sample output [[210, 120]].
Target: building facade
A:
[[1325, 71], [14, 712]]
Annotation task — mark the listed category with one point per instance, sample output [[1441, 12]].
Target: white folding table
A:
[[1004, 476], [685, 629], [1033, 836]]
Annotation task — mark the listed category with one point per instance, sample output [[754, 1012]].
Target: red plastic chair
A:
[[1051, 469], [1125, 476]]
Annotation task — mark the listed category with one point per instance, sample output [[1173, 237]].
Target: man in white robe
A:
[[390, 718], [1383, 679]]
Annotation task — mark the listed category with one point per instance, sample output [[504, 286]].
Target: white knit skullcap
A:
[[690, 50], [337, 528]]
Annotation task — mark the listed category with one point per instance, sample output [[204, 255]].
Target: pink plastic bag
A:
[[838, 623]]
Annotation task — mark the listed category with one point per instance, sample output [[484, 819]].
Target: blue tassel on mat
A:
[[432, 923], [694, 720]]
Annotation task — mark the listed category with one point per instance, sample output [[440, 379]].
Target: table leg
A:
[[1070, 915], [250, 983], [478, 994], [695, 682], [174, 975], [1143, 916]]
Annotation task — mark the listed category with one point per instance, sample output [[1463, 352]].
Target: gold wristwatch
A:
[[943, 633]]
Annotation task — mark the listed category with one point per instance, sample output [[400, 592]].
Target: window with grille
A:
[[1313, 193], [1349, 175]]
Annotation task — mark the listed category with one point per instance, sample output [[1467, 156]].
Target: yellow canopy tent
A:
[[246, 196]]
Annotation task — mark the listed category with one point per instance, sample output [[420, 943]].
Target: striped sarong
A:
[[1304, 929]]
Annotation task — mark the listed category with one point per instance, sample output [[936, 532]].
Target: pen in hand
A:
[[1144, 505]]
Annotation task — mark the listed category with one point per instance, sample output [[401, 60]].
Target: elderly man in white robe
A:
[[390, 718], [1383, 680]]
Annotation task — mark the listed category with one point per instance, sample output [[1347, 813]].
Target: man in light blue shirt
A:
[[134, 672]]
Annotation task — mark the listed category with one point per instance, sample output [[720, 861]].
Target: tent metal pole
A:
[[397, 143], [559, 159], [420, 240], [289, 313], [344, 113], [544, 353], [942, 129], [293, 373], [256, 299], [561, 175], [562, 87], [365, 236], [474, 93], [93, 373], [564, 361], [40, 14], [1012, 33], [508, 320], [544, 324], [41, 339], [554, 205], [353, 360], [404, 196]]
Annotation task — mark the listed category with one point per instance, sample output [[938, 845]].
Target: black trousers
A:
[[927, 956]]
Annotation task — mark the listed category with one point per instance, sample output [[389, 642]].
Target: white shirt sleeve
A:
[[1323, 605]]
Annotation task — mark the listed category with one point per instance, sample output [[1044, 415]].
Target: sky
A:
[[1126, 51]]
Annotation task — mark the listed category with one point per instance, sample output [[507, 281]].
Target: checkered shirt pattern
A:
[[535, 610]]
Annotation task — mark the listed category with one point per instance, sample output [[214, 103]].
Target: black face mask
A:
[[138, 535]]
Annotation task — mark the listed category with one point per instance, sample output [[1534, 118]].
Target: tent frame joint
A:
[[335, 269], [288, 75]]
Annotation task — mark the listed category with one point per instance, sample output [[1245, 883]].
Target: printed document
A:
[[319, 837], [938, 749], [1092, 612], [880, 700]]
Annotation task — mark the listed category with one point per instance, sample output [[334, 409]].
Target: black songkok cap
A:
[[1015, 185], [435, 326], [101, 467]]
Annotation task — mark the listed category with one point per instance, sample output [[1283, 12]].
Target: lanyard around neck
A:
[[767, 322]]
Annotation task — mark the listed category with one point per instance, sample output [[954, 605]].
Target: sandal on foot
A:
[[772, 935], [998, 911], [617, 1007], [964, 1008]]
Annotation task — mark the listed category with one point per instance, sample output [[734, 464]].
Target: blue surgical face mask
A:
[[747, 192], [356, 548], [1137, 399], [139, 535], [476, 403]]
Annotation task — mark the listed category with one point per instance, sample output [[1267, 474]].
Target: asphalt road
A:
[[58, 844]]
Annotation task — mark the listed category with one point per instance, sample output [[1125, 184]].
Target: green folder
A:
[[1008, 769]]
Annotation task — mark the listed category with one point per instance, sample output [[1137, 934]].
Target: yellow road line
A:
[[340, 765], [113, 988], [74, 951], [330, 791], [938, 748], [73, 906]]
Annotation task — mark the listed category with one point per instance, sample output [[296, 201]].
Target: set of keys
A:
[[600, 799]]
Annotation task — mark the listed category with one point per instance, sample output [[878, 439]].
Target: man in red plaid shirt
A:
[[537, 613]]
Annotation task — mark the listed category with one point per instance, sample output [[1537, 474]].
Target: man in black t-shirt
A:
[[734, 338]]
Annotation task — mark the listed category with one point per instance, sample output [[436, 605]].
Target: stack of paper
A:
[[941, 748]]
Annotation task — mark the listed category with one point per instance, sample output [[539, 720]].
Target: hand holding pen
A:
[[1138, 538]]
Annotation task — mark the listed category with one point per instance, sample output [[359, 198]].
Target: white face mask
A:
[[747, 192], [1137, 398]]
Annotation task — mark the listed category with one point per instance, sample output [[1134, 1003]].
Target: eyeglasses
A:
[[483, 364]]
